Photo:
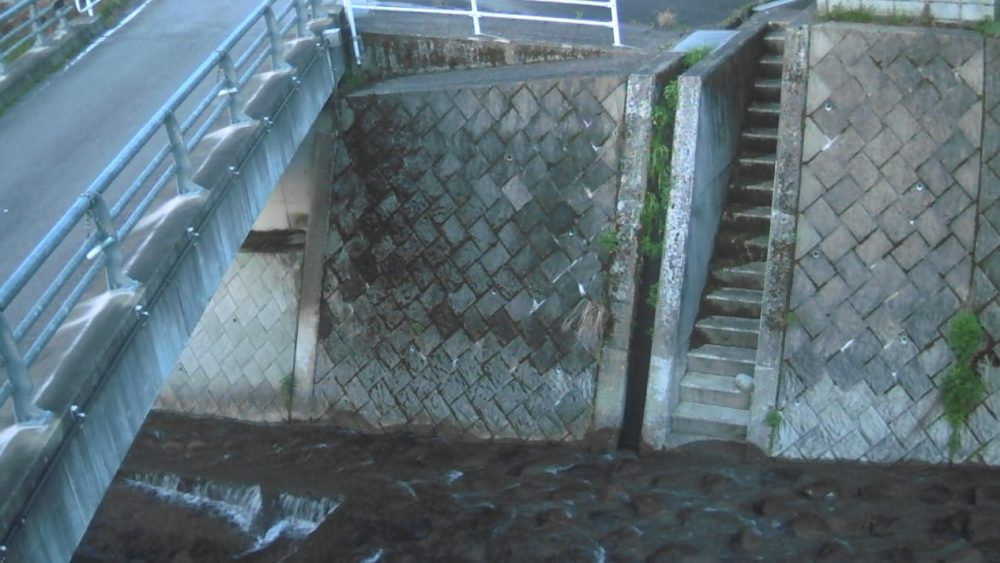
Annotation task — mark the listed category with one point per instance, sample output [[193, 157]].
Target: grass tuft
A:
[[963, 388]]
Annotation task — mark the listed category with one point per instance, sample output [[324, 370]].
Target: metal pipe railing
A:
[[27, 25], [184, 120], [476, 15]]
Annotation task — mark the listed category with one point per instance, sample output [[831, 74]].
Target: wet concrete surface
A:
[[409, 497]]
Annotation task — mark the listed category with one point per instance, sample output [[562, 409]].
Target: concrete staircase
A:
[[724, 343]]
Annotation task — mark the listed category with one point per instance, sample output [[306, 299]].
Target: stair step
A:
[[721, 360], [710, 420], [729, 331], [757, 166], [765, 108], [774, 42], [748, 275], [759, 139], [718, 390], [771, 66], [760, 193], [735, 301], [742, 245], [767, 89], [754, 217]]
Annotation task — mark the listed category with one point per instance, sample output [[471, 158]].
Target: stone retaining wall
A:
[[940, 10], [244, 344], [893, 185], [464, 284]]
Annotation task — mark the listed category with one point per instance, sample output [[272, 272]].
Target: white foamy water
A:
[[246, 507]]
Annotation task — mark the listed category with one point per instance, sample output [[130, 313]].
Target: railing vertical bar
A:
[[277, 42], [110, 245], [236, 114], [17, 374], [36, 27], [185, 185], [475, 17], [349, 10], [317, 8], [615, 28], [301, 18]]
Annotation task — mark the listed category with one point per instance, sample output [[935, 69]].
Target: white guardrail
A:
[[476, 14]]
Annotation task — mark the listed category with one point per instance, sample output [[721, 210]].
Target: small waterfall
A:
[[264, 517], [240, 504]]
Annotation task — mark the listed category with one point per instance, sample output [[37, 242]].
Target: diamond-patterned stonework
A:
[[886, 236], [243, 345], [462, 254]]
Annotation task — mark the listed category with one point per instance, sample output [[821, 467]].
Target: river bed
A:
[[407, 497]]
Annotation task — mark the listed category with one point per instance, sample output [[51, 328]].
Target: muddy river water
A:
[[196, 490]]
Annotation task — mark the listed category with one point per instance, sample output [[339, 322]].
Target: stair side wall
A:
[[713, 98]]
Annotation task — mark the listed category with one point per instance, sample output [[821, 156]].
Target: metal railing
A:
[[29, 24], [476, 14], [114, 203], [86, 6]]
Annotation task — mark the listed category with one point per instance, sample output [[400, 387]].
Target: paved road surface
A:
[[56, 140]]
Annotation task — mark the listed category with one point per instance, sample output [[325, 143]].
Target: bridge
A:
[[106, 281], [93, 316]]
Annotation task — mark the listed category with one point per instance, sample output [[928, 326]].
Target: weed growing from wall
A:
[[653, 215], [963, 388], [773, 420]]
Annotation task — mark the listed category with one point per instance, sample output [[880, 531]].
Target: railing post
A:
[[109, 245], [63, 26], [36, 26], [301, 18], [349, 10], [182, 159], [17, 373], [475, 17], [232, 90], [613, 4], [277, 42]]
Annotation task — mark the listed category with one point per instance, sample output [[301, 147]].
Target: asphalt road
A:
[[57, 139]]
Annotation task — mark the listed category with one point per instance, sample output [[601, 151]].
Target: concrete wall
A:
[[244, 345], [645, 85], [895, 236], [939, 10], [463, 285], [713, 99]]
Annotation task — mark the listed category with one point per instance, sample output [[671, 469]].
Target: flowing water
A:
[[207, 490]]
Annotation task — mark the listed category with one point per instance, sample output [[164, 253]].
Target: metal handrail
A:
[[28, 25], [477, 14], [101, 249]]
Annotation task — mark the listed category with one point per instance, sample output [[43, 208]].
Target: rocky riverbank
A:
[[405, 497]]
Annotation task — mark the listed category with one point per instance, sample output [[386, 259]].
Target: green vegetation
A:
[[287, 391], [963, 388], [653, 215], [653, 296], [694, 56], [867, 15], [356, 77], [609, 242], [773, 421], [989, 27]]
